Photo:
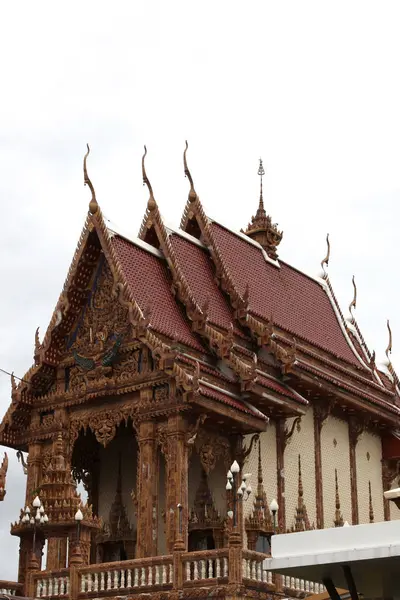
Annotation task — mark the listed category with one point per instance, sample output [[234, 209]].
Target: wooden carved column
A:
[[147, 491], [34, 471], [390, 470], [283, 435], [356, 428], [177, 483], [322, 410]]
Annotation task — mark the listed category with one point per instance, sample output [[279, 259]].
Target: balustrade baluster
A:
[[259, 571], [38, 588], [187, 570], [96, 582], [61, 586], [143, 579], [164, 574], [50, 588], [116, 582], [307, 586], [136, 578], [195, 570], [210, 568], [83, 584], [225, 567], [89, 581], [44, 588], [158, 575], [108, 580], [55, 588], [122, 584], [68, 585], [150, 575], [218, 567], [302, 585], [102, 581], [203, 569], [129, 578], [312, 587], [171, 574]]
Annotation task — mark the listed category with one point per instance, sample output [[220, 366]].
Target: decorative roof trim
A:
[[186, 236], [136, 241]]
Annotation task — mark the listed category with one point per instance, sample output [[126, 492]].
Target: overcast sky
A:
[[311, 87]]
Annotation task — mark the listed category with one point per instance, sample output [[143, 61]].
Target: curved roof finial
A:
[[151, 204], [326, 259], [192, 194], [353, 303], [93, 206], [389, 346]]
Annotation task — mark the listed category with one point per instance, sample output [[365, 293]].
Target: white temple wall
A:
[[335, 454], [301, 442], [369, 468]]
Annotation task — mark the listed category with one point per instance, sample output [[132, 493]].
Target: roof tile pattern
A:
[[279, 388], [227, 399], [150, 284], [297, 303], [198, 271]]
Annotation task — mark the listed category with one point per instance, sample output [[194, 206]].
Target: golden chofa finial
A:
[[353, 303], [261, 173], [192, 194], [151, 204], [326, 259], [389, 347], [93, 206]]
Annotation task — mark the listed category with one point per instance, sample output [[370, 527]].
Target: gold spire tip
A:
[[151, 204], [192, 193], [93, 206]]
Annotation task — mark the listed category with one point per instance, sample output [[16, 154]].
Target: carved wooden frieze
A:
[[104, 422]]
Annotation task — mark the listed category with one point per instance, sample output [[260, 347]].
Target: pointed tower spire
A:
[[338, 515], [259, 521], [261, 210], [302, 522], [371, 508], [261, 229]]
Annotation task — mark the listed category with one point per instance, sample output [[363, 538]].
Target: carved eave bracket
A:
[[3, 476]]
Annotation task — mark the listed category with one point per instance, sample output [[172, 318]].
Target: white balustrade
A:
[[203, 569], [144, 575], [52, 586]]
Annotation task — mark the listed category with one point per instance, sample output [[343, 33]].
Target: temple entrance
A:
[[109, 476], [207, 502]]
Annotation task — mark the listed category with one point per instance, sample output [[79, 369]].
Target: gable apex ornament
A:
[[93, 205], [261, 229]]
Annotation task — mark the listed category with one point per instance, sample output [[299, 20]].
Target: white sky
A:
[[312, 87]]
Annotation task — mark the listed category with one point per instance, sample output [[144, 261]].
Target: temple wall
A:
[[124, 445], [302, 442], [369, 468], [161, 538], [268, 463], [335, 454]]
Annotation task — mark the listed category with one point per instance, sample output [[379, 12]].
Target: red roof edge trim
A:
[[277, 386], [327, 287], [248, 239], [216, 393], [365, 396]]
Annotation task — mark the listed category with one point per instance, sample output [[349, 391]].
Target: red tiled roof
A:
[[296, 302], [227, 399], [198, 271], [150, 283], [279, 388]]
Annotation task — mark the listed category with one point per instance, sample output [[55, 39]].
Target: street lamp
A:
[[274, 507], [78, 518], [35, 517], [239, 492]]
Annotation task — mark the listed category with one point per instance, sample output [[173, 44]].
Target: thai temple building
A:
[[208, 396]]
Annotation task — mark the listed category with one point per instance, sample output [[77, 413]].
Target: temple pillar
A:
[[56, 554], [177, 484], [34, 471], [147, 491], [280, 472], [356, 428]]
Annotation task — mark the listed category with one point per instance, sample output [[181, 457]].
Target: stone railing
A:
[[141, 574], [203, 566], [252, 568], [51, 584], [301, 587], [11, 588]]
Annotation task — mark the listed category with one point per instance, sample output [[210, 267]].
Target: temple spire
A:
[[338, 515], [261, 210], [261, 229]]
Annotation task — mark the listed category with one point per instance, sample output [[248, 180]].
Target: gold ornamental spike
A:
[[93, 206], [326, 259], [151, 204], [192, 193]]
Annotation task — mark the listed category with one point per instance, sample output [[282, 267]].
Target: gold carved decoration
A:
[[103, 423]]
